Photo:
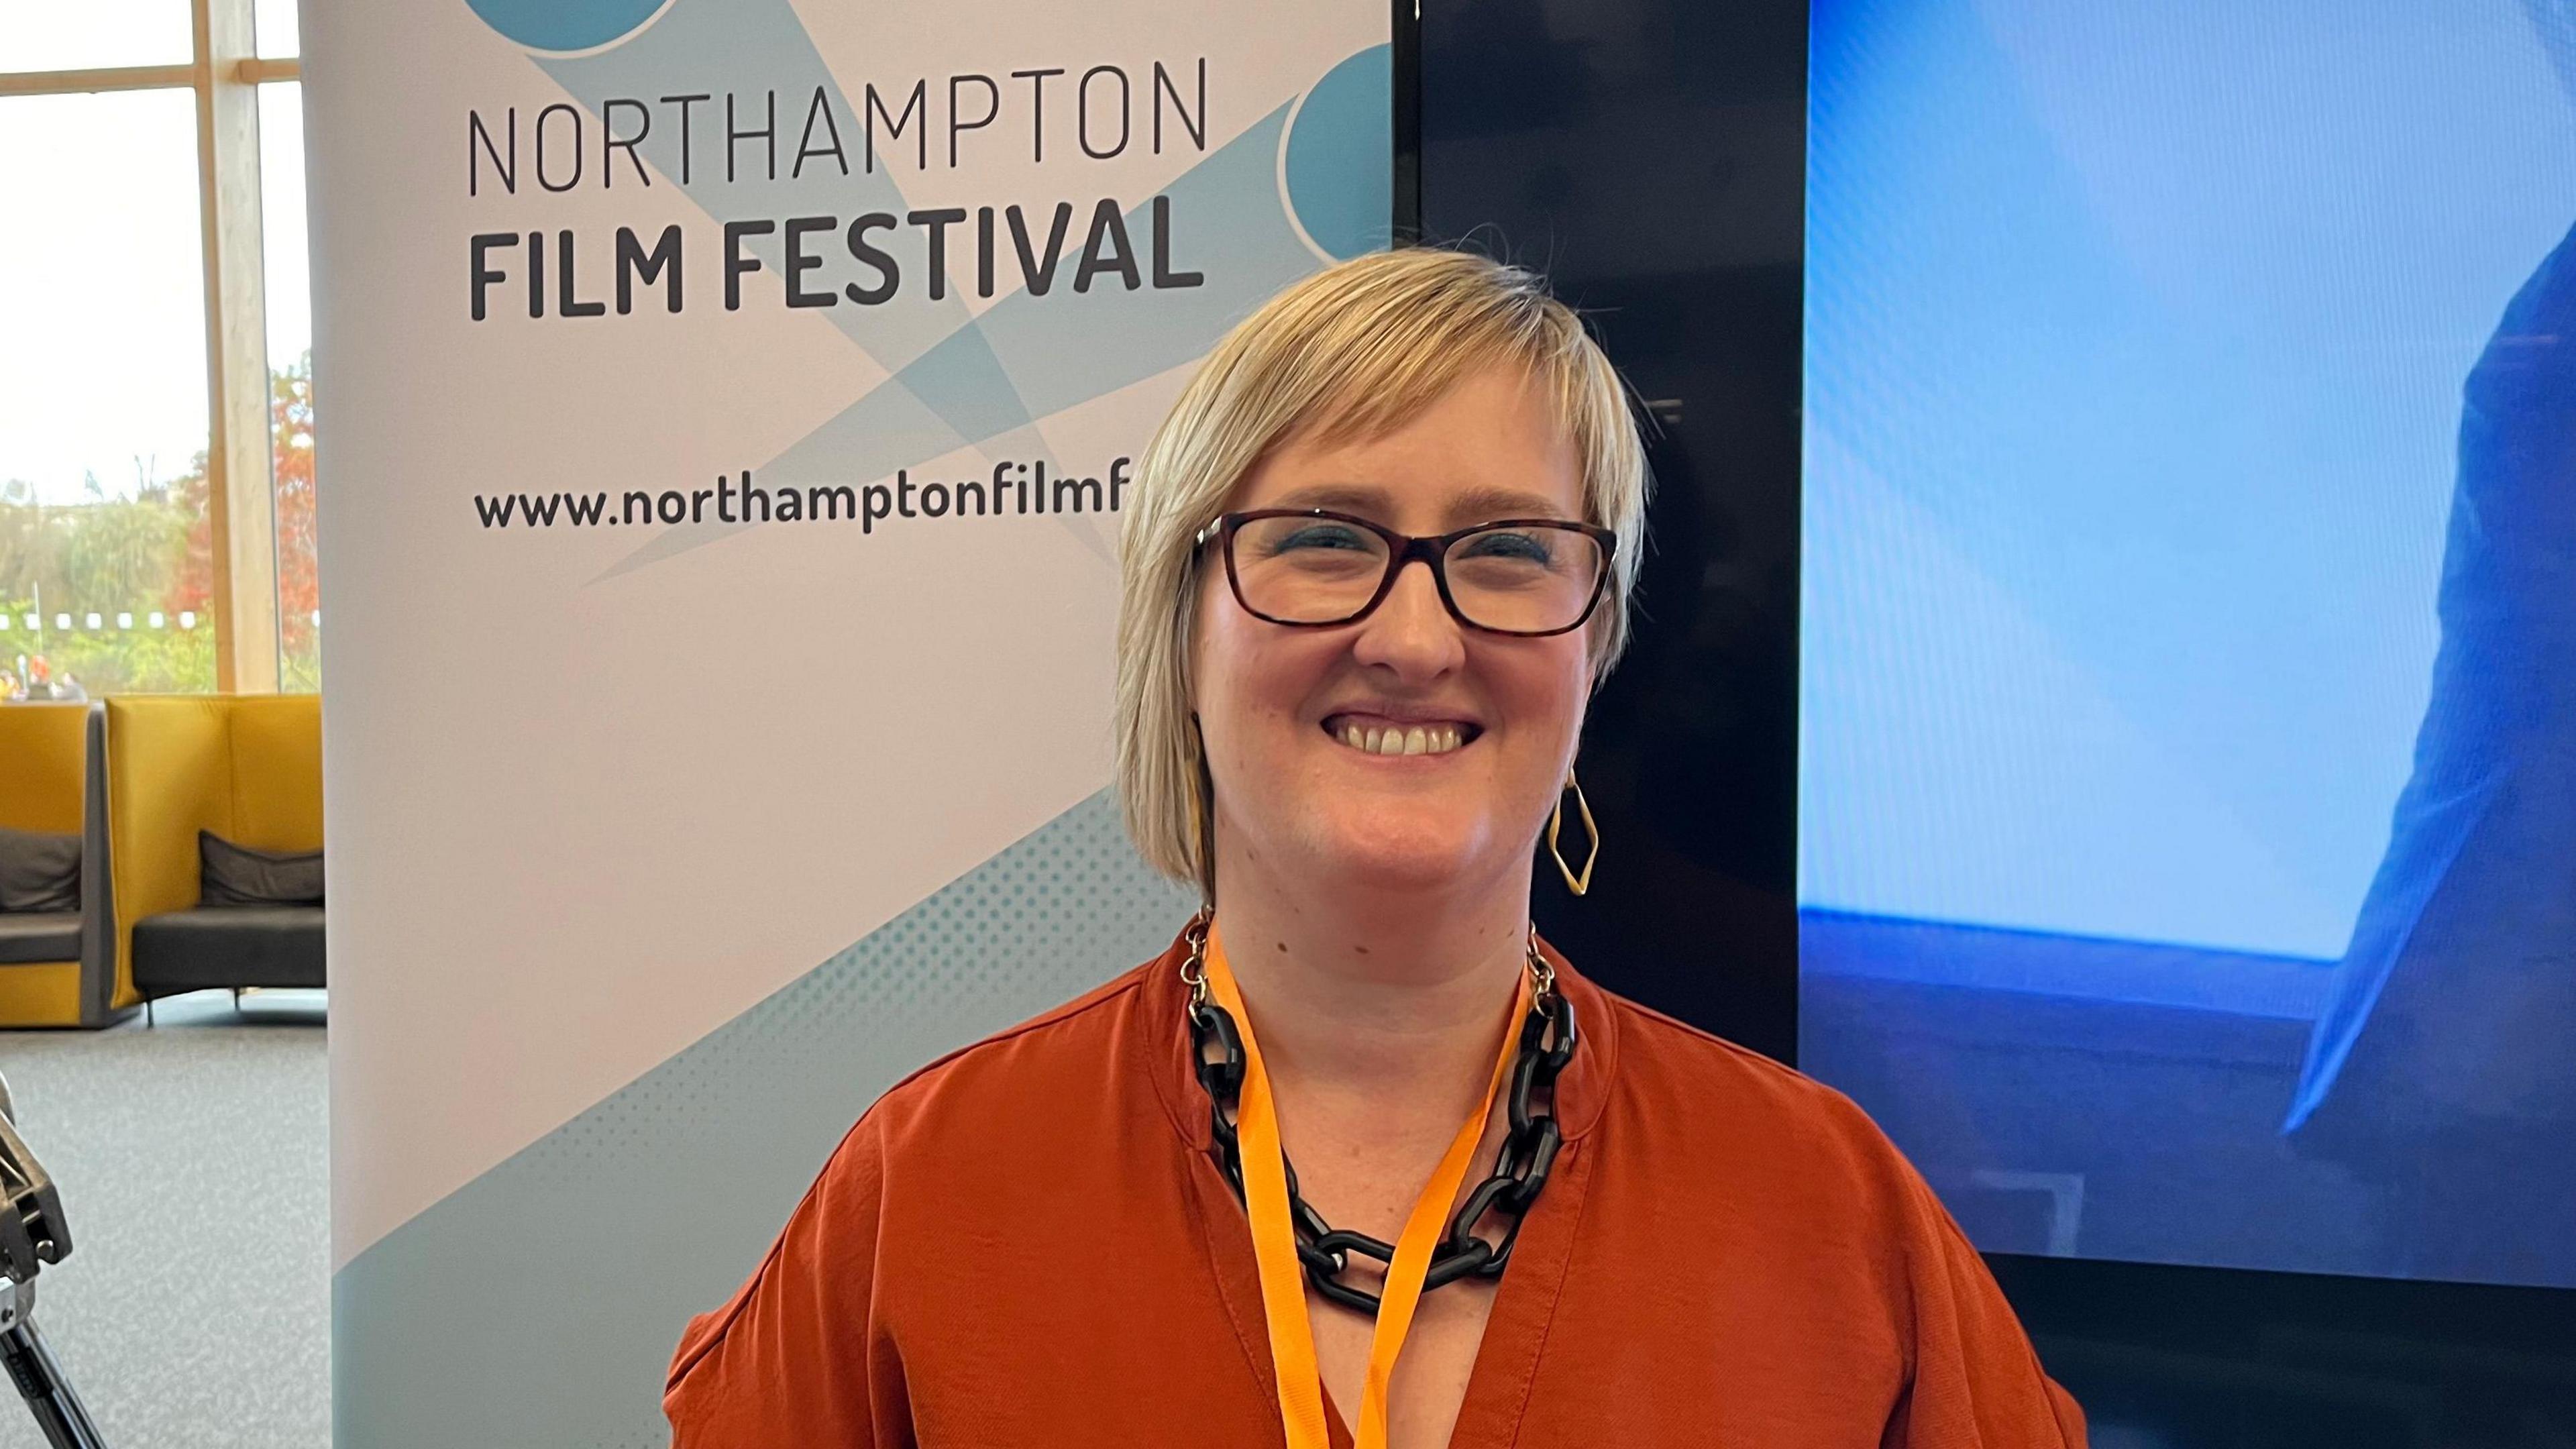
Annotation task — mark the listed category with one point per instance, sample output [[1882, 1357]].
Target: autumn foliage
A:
[[299, 594], [148, 560]]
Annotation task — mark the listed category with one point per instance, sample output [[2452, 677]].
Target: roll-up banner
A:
[[731, 406]]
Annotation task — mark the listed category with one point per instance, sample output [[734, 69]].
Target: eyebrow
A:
[[1476, 505]]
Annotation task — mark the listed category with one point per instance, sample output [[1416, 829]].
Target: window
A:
[[274, 20], [94, 34], [289, 292], [102, 397], [156, 514]]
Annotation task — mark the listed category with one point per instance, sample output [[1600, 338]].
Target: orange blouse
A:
[[1027, 1246]]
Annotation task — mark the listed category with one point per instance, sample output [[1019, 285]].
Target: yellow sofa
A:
[[246, 767], [45, 771]]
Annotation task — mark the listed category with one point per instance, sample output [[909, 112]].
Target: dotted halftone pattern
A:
[[556, 1285]]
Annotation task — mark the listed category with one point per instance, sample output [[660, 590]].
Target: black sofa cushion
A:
[[27, 939], [237, 875], [228, 946], [39, 873]]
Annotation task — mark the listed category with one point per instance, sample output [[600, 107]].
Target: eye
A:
[[1510, 546], [1320, 535]]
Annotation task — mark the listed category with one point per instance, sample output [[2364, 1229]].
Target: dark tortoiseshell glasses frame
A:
[[1402, 549]]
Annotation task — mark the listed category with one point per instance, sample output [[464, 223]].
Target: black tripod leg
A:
[[57, 1409]]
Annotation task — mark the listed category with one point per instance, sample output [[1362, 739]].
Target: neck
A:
[[1392, 997]]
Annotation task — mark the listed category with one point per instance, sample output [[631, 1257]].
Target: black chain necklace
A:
[[1520, 1168]]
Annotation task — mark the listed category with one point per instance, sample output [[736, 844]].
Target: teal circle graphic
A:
[[565, 24], [1341, 156]]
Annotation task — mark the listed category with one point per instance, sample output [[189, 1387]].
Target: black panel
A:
[[1649, 155], [2214, 1358]]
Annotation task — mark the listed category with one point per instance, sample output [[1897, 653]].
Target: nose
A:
[[1411, 631]]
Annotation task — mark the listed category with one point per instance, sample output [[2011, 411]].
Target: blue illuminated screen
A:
[[2188, 682]]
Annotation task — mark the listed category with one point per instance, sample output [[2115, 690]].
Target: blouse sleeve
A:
[[797, 1356], [1976, 1384]]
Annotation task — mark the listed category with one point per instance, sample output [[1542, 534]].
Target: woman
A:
[[1084, 1231]]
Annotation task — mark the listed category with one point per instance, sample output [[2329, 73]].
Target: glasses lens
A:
[[1307, 570], [1524, 578]]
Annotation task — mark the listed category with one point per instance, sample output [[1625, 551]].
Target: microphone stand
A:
[[32, 1234]]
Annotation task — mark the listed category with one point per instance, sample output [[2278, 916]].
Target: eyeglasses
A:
[[1311, 568]]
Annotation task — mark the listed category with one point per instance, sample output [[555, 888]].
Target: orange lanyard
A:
[[1274, 1240]]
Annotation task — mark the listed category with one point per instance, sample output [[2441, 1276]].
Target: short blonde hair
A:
[[1351, 353]]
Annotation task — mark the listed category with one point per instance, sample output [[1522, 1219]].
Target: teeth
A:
[[1417, 740]]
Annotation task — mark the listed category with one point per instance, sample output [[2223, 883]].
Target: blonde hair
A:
[[1351, 353]]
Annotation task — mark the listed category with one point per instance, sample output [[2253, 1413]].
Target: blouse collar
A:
[[1581, 1093]]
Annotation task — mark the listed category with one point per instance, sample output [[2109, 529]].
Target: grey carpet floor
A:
[[192, 1159]]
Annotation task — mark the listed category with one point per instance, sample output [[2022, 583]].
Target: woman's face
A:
[[1278, 706]]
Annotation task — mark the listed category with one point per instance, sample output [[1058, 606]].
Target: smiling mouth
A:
[[1435, 738]]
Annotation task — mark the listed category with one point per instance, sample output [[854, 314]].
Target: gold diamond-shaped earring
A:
[[1575, 881]]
